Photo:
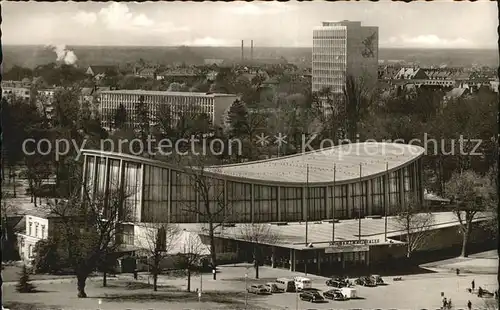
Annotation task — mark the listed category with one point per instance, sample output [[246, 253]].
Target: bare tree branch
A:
[[416, 223]]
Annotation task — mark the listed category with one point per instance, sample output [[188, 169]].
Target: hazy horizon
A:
[[427, 25]]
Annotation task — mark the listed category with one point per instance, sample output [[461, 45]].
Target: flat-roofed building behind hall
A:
[[212, 104]]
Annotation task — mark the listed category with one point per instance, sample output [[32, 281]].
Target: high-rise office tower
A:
[[342, 50]]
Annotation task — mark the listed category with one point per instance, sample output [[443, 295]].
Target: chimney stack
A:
[[251, 51], [242, 53]]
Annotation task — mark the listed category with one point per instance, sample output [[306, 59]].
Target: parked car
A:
[[337, 283], [349, 292], [288, 285], [302, 283], [365, 281], [274, 288], [377, 279], [311, 296], [335, 294], [258, 289]]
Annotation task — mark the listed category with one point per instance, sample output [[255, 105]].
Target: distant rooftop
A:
[[165, 93], [346, 23]]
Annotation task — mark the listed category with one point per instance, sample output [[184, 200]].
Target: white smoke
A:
[[64, 55]]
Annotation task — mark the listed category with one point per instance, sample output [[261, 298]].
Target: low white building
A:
[[36, 228]]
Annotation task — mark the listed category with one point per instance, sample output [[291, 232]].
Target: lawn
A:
[[120, 294], [10, 273]]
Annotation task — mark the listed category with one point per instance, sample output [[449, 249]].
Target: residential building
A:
[[341, 50], [91, 95], [36, 227], [341, 195], [147, 73], [456, 93], [214, 105], [388, 72], [410, 74], [100, 71], [24, 83], [45, 100], [180, 75], [18, 92]]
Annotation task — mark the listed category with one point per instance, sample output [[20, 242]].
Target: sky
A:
[[438, 24]]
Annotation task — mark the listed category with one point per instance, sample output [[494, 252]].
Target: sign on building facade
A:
[[350, 246]]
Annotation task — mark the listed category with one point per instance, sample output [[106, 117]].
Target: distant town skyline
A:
[[440, 24]]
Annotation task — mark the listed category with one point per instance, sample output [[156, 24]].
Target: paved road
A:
[[414, 292]]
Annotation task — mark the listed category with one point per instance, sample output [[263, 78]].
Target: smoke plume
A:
[[64, 55]]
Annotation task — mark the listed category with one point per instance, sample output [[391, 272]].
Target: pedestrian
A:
[[480, 292], [449, 304], [473, 285], [445, 302], [135, 274], [469, 305]]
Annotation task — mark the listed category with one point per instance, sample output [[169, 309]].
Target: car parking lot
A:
[[419, 291]]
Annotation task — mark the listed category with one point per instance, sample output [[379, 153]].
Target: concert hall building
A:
[[346, 193]]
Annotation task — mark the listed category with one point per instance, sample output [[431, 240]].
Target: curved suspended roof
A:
[[340, 164], [349, 162]]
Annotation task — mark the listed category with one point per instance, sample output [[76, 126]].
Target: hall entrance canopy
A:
[[350, 246]]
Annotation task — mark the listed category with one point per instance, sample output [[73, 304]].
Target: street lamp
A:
[[201, 288], [296, 299], [149, 273], [246, 290]]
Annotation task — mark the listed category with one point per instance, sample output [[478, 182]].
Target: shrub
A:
[[48, 257], [24, 285]]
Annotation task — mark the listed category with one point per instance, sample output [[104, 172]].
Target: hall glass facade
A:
[[158, 192]]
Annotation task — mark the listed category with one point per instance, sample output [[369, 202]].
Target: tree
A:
[[356, 103], [212, 208], [492, 224], [240, 125], [176, 87], [39, 168], [89, 228], [190, 254], [24, 285], [158, 242], [48, 256], [143, 118], [68, 121], [120, 117], [17, 73], [416, 223], [236, 119], [470, 193], [19, 119], [257, 235], [8, 231]]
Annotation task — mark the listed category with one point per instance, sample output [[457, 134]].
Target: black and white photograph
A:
[[249, 155]]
